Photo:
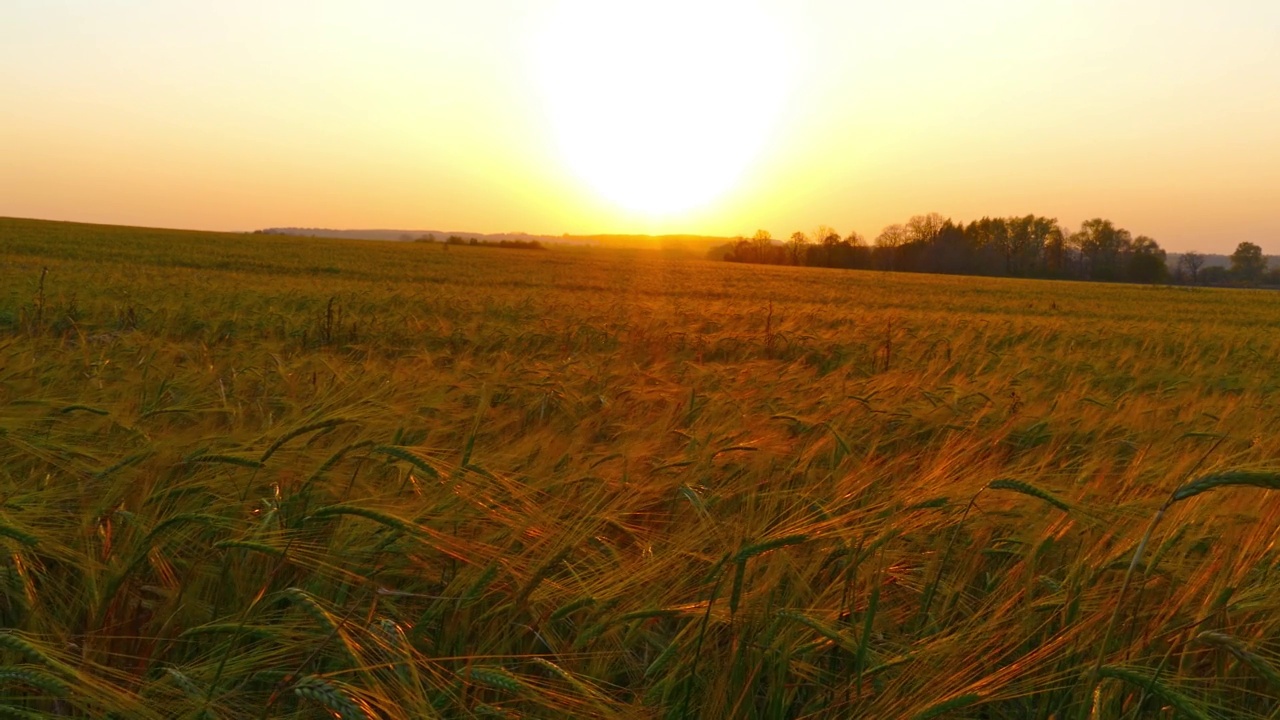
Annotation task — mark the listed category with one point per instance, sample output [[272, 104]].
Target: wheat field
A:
[[251, 476]]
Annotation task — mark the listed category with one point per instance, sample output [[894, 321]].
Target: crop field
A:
[[252, 476]]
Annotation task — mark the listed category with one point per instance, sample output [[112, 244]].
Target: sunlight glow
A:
[[661, 106]]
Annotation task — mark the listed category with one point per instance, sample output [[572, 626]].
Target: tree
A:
[[1190, 263], [1214, 275], [1247, 262], [740, 251], [891, 237], [1104, 246], [762, 241], [797, 246], [1030, 236], [993, 237], [924, 228], [825, 238], [851, 252], [951, 252], [825, 235], [1147, 261], [887, 244], [1056, 255]]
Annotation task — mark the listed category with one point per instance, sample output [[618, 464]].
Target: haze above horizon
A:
[[703, 117]]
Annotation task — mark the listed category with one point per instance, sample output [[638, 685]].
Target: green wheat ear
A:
[[21, 536], [19, 644], [765, 546], [581, 687], [249, 631], [822, 629], [494, 677], [1236, 647], [930, 504], [1146, 681], [1267, 480], [572, 606], [321, 691], [1028, 489], [215, 459], [412, 458], [247, 545], [664, 659], [184, 683], [8, 711], [946, 706], [83, 408], [377, 516], [33, 677], [312, 427]]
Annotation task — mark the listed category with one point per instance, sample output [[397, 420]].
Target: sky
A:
[[664, 116]]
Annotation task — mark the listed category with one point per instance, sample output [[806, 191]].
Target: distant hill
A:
[[707, 245], [1224, 261], [693, 243], [404, 235], [1210, 260]]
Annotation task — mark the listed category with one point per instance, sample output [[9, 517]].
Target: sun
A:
[[660, 106]]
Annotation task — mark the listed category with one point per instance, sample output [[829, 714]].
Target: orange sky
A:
[[709, 117]]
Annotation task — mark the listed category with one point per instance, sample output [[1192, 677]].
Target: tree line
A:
[[459, 240], [1028, 246]]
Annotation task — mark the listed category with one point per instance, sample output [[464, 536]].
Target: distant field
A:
[[249, 476]]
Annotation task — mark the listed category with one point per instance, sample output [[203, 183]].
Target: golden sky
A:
[[702, 116]]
